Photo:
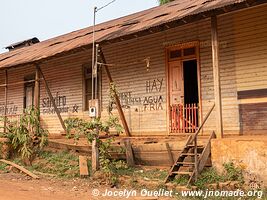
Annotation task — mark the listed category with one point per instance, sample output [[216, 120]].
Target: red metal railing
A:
[[184, 118]]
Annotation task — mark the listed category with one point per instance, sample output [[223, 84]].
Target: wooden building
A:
[[170, 65]]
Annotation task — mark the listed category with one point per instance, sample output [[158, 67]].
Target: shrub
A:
[[26, 136], [233, 173]]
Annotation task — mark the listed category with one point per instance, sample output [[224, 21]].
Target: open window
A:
[[87, 71]]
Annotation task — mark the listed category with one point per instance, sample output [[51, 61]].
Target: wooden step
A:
[[183, 173], [191, 146], [189, 154], [185, 163]]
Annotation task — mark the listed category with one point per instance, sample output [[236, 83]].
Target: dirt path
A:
[[15, 186], [18, 187]]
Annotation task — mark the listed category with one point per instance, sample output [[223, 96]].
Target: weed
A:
[[3, 167], [60, 164], [209, 176], [153, 174], [233, 173], [181, 180], [26, 136]]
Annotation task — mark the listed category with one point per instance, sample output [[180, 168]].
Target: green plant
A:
[[91, 130], [209, 176], [161, 2], [112, 95], [62, 164], [3, 167], [26, 136], [233, 173], [181, 179]]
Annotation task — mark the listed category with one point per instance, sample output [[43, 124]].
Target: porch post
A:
[[216, 76], [5, 106], [117, 100], [37, 89], [52, 98]]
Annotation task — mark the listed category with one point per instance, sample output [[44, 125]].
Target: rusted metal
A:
[[142, 23], [23, 43]]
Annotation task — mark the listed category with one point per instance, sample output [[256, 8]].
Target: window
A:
[[29, 91], [181, 53], [175, 54], [190, 51], [88, 85]]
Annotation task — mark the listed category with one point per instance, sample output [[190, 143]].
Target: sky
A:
[[44, 19]]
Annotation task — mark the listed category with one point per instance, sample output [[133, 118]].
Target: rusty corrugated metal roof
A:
[[112, 29]]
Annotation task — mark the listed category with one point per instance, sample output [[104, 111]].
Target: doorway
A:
[[190, 82], [183, 89]]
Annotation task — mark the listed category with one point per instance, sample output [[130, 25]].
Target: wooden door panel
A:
[[176, 83]]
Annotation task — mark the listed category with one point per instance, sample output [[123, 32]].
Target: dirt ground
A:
[[14, 186]]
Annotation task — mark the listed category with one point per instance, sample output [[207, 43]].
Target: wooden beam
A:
[[205, 153], [83, 166], [216, 76], [129, 153], [37, 89], [17, 83], [52, 99], [95, 157], [195, 158], [169, 153], [20, 168], [5, 106], [117, 100]]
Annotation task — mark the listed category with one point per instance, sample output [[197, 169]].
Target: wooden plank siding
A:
[[243, 50], [243, 61]]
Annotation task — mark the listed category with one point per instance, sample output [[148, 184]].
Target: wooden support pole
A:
[[5, 106], [117, 100], [169, 153], [95, 157], [216, 76], [37, 89], [52, 99], [195, 159], [129, 153], [83, 166]]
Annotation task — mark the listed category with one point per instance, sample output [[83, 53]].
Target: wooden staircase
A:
[[191, 160], [193, 157]]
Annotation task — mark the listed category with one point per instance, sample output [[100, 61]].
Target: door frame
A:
[[180, 46]]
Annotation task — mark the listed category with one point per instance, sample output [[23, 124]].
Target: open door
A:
[[183, 90]]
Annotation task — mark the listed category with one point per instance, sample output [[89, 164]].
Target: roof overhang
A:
[[108, 34]]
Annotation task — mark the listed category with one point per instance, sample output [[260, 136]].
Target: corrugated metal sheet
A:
[[112, 29]]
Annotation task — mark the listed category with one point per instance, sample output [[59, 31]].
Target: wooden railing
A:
[[184, 118], [194, 140]]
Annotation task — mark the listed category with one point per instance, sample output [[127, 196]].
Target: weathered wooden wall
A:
[[243, 39], [135, 76], [65, 80], [244, 70]]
